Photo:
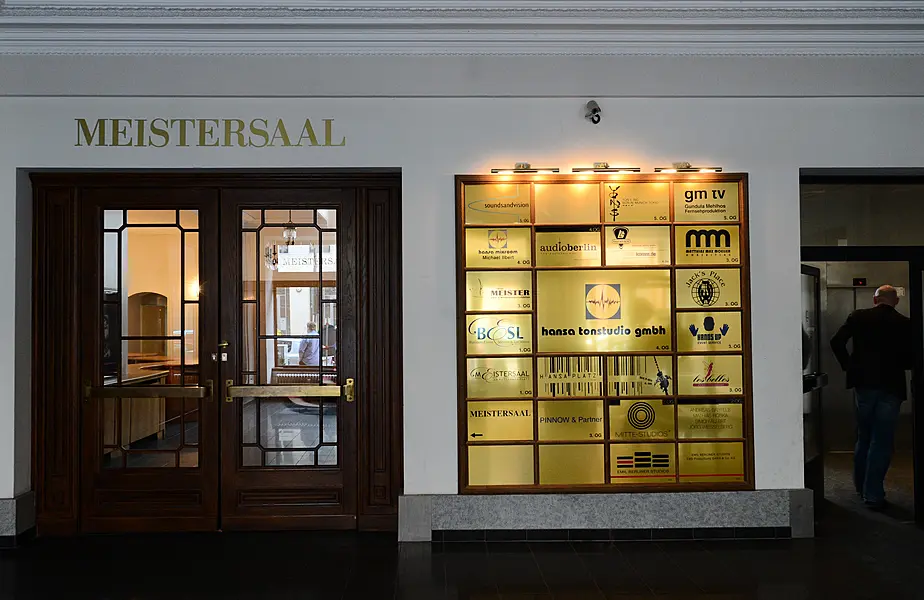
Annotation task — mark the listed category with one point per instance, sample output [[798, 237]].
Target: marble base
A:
[[17, 515], [420, 516]]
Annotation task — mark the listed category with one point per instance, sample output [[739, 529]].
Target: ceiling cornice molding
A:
[[464, 27]]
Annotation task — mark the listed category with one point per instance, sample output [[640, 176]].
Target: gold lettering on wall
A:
[[159, 132], [498, 290], [570, 420], [604, 310], [500, 421], [498, 248], [568, 248], [639, 376], [638, 245], [499, 334], [711, 462], [570, 376], [641, 420], [705, 201], [707, 245], [496, 204], [636, 202], [642, 463], [709, 375], [708, 288], [709, 331], [500, 377], [715, 419]]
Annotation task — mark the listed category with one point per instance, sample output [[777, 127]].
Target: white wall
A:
[[434, 139]]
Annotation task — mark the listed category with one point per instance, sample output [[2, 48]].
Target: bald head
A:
[[886, 295]]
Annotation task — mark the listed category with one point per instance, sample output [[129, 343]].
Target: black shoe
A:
[[876, 506]]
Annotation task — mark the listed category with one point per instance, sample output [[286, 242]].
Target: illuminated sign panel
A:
[[604, 332]]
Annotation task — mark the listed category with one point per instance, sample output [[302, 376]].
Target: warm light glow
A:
[[193, 290], [707, 170]]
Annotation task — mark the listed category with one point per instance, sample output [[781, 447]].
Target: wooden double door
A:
[[236, 351]]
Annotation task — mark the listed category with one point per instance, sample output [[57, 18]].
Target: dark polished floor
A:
[[856, 557]]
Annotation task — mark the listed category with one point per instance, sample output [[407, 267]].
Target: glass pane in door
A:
[[150, 337], [289, 338]]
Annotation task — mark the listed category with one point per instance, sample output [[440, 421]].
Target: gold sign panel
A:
[[571, 464], [500, 421], [500, 465], [638, 245], [711, 462], [705, 201], [498, 290], [570, 420], [570, 376], [639, 376], [708, 288], [642, 463], [499, 334], [636, 202], [496, 203], [568, 247], [507, 248], [709, 375], [604, 311], [500, 377], [709, 331], [707, 245], [715, 419], [567, 203], [645, 420]]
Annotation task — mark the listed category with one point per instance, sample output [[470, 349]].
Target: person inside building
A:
[[882, 352], [309, 352]]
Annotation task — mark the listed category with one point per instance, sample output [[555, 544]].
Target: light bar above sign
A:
[[604, 333]]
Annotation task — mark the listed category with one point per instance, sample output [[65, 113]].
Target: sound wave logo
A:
[[497, 238], [602, 301]]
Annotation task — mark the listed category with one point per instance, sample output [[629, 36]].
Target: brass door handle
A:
[[349, 390]]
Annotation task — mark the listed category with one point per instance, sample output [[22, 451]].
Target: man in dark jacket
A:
[[882, 352]]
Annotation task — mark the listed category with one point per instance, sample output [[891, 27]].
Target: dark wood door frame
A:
[[914, 256], [56, 386]]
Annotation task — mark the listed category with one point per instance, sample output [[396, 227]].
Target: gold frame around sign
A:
[[744, 269]]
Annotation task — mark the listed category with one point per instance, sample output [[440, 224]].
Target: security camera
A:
[[594, 112]]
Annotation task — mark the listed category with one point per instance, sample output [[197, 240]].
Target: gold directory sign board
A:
[[500, 377], [642, 463], [603, 332], [500, 421], [604, 310], [711, 462], [498, 248], [708, 288], [570, 420], [571, 464], [499, 334], [497, 204], [641, 420], [717, 331], [500, 465], [636, 202], [708, 419], [710, 375], [498, 290], [707, 245], [638, 245], [556, 247], [705, 201]]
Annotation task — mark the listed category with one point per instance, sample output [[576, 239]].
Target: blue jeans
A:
[[877, 415]]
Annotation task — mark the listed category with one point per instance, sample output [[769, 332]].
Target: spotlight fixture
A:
[[604, 167], [523, 167], [685, 167]]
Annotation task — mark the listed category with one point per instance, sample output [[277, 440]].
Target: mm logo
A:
[[708, 238], [497, 238], [602, 301]]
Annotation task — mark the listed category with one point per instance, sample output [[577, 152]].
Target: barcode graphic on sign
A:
[[570, 376], [629, 375]]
